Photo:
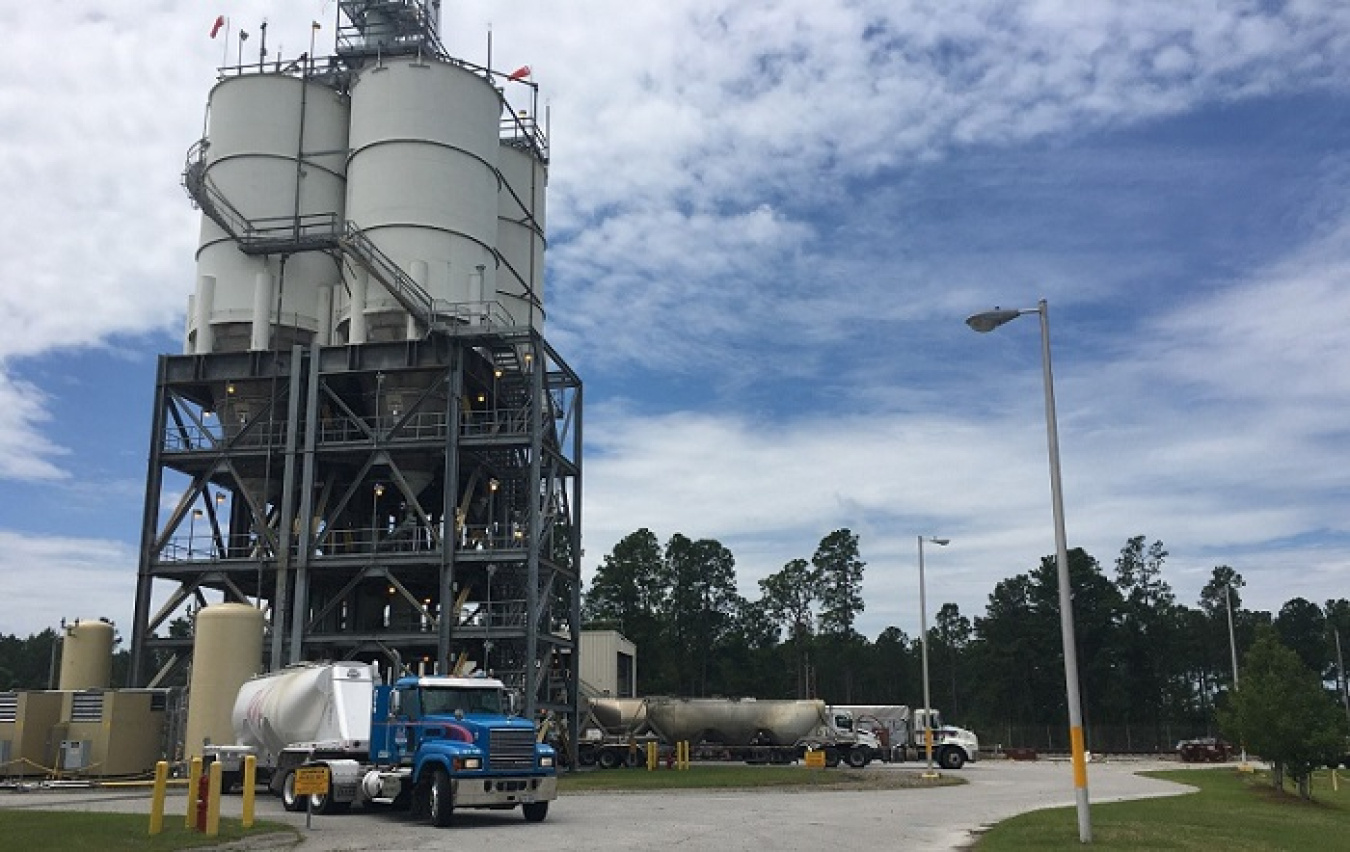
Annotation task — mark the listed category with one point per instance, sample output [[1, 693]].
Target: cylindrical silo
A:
[[226, 651], [422, 183], [86, 655], [520, 233], [274, 164]]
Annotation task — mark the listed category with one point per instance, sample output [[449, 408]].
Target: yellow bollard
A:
[[250, 781], [213, 801], [651, 756], [157, 801], [194, 778]]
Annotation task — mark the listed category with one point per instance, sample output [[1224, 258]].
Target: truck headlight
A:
[[470, 762], [546, 760]]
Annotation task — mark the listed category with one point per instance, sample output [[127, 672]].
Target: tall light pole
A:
[[923, 643], [1232, 648], [1340, 670], [986, 322], [192, 529]]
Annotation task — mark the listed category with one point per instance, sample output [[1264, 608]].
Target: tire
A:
[[230, 780], [607, 759], [951, 758], [441, 807], [831, 756], [535, 811], [856, 758], [324, 803], [289, 800]]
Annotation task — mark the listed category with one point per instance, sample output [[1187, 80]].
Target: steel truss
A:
[[412, 503]]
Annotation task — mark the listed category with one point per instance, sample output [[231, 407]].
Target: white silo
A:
[[520, 226], [422, 185], [273, 164]]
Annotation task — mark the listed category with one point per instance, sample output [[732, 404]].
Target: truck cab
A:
[[454, 742]]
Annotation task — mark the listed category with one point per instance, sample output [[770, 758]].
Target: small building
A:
[[608, 664]]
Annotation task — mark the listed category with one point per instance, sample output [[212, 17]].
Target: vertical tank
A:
[[422, 184], [520, 233], [86, 656], [274, 163], [226, 652]]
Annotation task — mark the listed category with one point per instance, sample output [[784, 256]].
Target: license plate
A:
[[527, 799]]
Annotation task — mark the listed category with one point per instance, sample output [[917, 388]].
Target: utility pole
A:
[[1340, 672]]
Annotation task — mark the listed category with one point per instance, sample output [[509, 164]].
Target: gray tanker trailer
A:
[[617, 730]]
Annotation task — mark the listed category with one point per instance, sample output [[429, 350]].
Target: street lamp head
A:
[[941, 542], [989, 320]]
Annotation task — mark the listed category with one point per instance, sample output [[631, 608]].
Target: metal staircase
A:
[[310, 232], [407, 292]]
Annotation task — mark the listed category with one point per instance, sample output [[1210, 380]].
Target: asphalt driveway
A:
[[716, 821]]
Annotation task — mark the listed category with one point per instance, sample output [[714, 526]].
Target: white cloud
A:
[[714, 194], [25, 453], [78, 578]]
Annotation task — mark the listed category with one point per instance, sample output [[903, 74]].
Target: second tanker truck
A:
[[753, 730]]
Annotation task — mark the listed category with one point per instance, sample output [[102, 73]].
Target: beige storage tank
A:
[[86, 655], [226, 652]]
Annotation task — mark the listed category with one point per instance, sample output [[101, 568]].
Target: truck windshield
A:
[[446, 700]]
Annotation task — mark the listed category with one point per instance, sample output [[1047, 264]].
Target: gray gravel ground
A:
[[716, 821]]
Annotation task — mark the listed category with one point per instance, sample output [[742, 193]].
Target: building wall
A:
[[608, 664]]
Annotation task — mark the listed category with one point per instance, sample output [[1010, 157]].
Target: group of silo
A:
[[411, 153]]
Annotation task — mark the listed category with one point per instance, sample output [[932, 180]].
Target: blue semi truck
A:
[[430, 743]]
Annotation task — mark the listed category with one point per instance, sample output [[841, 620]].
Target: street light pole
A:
[[923, 643], [1232, 648], [986, 322]]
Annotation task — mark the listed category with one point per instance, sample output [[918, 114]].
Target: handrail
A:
[[400, 285]]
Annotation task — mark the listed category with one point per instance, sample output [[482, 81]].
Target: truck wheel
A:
[[856, 758], [831, 756], [442, 805], [607, 759], [289, 800], [535, 811], [951, 758], [230, 780]]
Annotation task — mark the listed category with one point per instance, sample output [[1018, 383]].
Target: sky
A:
[[768, 222]]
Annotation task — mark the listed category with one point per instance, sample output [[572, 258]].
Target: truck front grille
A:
[[511, 749]]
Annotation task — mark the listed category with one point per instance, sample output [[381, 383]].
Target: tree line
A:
[[1152, 670]]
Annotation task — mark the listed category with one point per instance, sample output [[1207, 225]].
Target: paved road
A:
[[941, 818]]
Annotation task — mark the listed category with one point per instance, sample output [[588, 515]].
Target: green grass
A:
[[40, 831], [1232, 811], [740, 776]]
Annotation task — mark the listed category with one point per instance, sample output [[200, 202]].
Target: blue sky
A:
[[767, 223]]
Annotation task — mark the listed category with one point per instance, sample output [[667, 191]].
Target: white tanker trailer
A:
[[758, 731]]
